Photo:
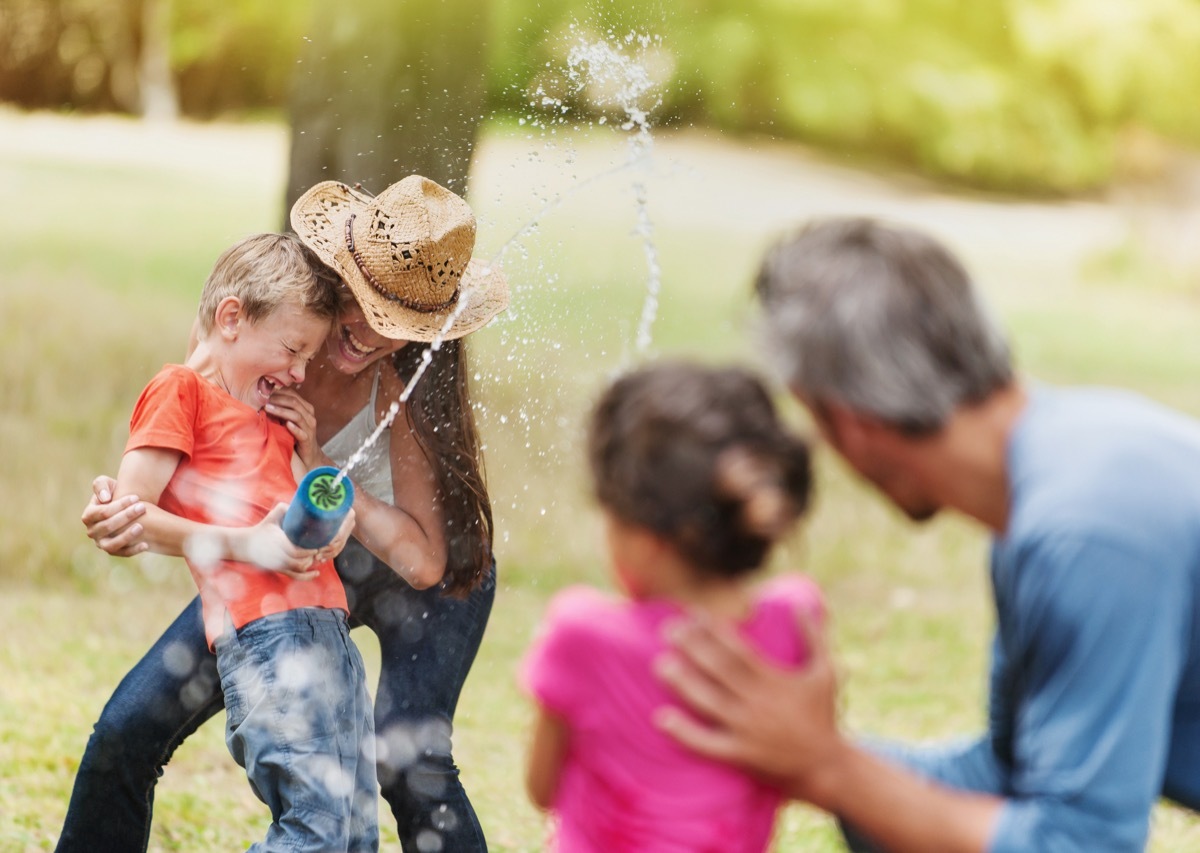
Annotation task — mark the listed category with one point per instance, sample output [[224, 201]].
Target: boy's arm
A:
[[547, 751], [146, 471]]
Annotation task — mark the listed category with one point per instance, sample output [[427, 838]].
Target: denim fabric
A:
[[298, 719], [163, 699], [428, 642]]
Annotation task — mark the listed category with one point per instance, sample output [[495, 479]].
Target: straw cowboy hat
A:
[[405, 254]]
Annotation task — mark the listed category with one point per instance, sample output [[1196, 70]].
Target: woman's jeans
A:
[[299, 720], [427, 643]]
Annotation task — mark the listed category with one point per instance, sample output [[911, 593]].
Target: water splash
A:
[[602, 72], [426, 360], [614, 78]]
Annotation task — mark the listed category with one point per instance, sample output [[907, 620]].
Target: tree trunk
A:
[[157, 99], [386, 89]]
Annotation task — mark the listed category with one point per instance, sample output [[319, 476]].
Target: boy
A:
[[214, 472]]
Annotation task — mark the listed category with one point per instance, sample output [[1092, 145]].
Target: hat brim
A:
[[319, 218]]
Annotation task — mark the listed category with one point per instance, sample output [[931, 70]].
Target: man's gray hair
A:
[[880, 319]]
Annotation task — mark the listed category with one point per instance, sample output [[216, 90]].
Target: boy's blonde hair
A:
[[266, 271]]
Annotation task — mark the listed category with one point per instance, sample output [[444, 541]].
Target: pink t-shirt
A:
[[625, 786]]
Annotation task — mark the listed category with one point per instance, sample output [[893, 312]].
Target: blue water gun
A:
[[316, 511]]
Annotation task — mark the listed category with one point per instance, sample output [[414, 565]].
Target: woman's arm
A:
[[408, 535], [547, 751], [146, 472]]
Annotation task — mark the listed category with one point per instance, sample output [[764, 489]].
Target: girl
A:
[[696, 479]]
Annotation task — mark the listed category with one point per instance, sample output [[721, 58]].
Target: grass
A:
[[116, 228]]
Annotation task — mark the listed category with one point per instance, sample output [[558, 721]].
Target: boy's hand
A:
[[113, 525], [267, 546], [298, 416]]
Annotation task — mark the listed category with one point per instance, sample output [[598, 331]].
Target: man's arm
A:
[[781, 724]]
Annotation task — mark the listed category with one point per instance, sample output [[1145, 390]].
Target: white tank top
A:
[[373, 472]]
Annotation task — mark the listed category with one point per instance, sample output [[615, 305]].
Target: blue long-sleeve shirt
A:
[[1094, 706]]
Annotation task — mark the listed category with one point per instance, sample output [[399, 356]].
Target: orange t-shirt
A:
[[236, 466]]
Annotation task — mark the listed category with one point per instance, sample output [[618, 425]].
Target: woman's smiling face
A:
[[353, 345]]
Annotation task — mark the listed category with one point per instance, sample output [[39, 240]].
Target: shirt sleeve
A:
[[1094, 639], [165, 414], [554, 670]]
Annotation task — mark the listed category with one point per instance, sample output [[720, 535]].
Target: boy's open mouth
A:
[[268, 386]]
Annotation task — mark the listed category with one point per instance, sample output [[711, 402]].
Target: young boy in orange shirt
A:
[[215, 472]]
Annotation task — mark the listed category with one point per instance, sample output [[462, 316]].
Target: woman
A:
[[419, 572]]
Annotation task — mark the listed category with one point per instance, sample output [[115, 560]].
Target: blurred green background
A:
[[1045, 96]]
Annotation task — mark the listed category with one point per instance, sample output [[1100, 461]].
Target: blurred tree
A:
[[80, 54], [385, 89], [155, 84]]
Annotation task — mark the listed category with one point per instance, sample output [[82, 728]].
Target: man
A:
[[1093, 499]]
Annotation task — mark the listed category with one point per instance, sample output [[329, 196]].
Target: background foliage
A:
[[1048, 96]]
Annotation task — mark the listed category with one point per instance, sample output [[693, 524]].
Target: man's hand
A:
[[780, 724]]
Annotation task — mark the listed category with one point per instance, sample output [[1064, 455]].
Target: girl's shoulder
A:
[[579, 604], [778, 603], [586, 615], [792, 590]]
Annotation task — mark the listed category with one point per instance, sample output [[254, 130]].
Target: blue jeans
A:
[[298, 719], [428, 643]]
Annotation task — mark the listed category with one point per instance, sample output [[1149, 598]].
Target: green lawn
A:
[[109, 233]]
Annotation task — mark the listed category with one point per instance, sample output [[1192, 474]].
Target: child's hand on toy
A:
[[267, 546]]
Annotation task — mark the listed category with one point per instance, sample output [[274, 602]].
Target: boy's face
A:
[[271, 353]]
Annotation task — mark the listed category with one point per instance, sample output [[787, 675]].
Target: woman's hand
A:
[[298, 416], [113, 525]]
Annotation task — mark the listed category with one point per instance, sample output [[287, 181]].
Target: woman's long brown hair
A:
[[440, 415]]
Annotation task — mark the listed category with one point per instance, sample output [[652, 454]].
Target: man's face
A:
[[871, 449]]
